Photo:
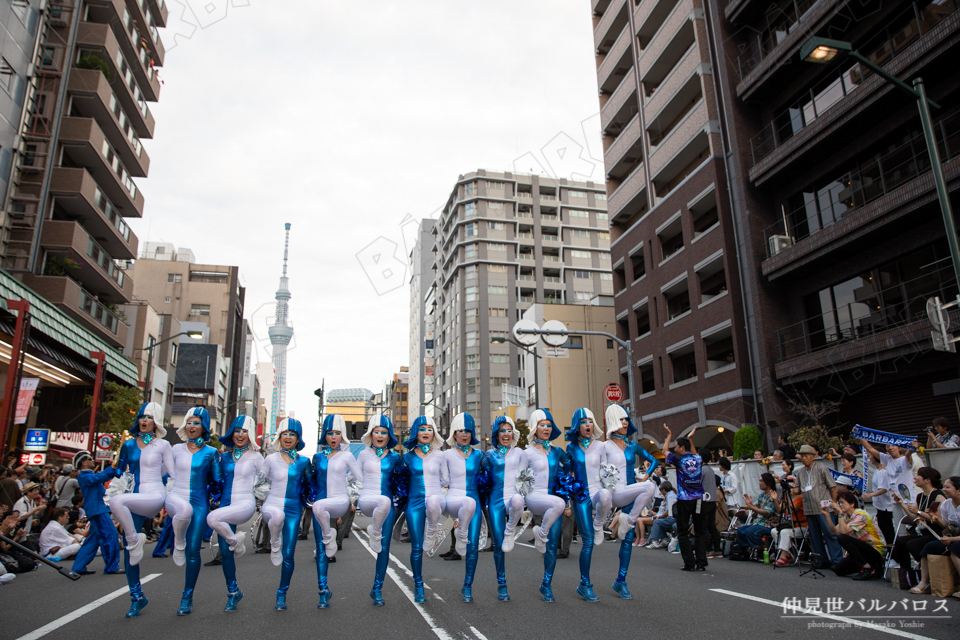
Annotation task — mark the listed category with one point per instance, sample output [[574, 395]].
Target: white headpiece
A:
[[613, 415]]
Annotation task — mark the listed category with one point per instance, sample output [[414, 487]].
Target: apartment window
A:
[[581, 233], [603, 235], [470, 229], [642, 314], [494, 206], [713, 279], [470, 189], [498, 313], [608, 277], [492, 184], [684, 363], [499, 358], [609, 343], [473, 362], [719, 347], [602, 216], [199, 309], [577, 194], [471, 339], [646, 378], [574, 342], [470, 294], [174, 350], [620, 283], [166, 300], [581, 274], [175, 278], [20, 8], [470, 210], [471, 272], [601, 197], [496, 246], [498, 334], [637, 265], [497, 226], [471, 385], [578, 213], [623, 327], [705, 215], [582, 255], [496, 268], [498, 382], [497, 291], [7, 75], [472, 407], [472, 315], [582, 296], [677, 297], [470, 252], [671, 238]]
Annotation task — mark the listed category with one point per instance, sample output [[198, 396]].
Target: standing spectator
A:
[[882, 500], [9, 489], [102, 534], [786, 471], [56, 543], [689, 506], [712, 493], [29, 506], [859, 537], [816, 486], [848, 465], [899, 466], [730, 484], [940, 437], [66, 486], [758, 455], [784, 447], [567, 525], [766, 508]]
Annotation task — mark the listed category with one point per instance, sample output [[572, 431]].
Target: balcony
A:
[[616, 64], [673, 147], [137, 46], [98, 272], [610, 24], [629, 198], [158, 9], [80, 305], [78, 197], [650, 16], [147, 21], [672, 89], [99, 40], [626, 151], [669, 46], [84, 145], [620, 108]]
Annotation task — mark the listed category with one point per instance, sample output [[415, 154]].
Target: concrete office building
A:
[[674, 249], [396, 402], [202, 297], [147, 328], [356, 405], [422, 319], [504, 242], [843, 238], [269, 399], [19, 22]]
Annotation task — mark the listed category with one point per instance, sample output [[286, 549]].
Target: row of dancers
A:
[[413, 483]]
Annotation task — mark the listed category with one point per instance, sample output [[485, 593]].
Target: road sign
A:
[[35, 459], [105, 441], [37, 440], [103, 455], [613, 393], [555, 340]]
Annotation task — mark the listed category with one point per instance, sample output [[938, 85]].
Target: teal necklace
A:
[[147, 437], [464, 448], [292, 453], [618, 436], [327, 451], [197, 441], [238, 452], [546, 444], [425, 448], [380, 451], [585, 443], [503, 449]]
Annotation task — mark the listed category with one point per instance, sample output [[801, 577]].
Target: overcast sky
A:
[[348, 119]]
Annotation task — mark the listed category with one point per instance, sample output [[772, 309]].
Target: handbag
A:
[[904, 579], [941, 575]]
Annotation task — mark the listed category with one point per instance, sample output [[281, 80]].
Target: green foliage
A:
[[818, 436], [524, 432], [747, 440], [118, 409], [93, 61], [56, 265]]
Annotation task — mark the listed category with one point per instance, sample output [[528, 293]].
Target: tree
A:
[[746, 441], [814, 410], [118, 409], [524, 431]]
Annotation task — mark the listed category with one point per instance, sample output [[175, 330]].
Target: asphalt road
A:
[[735, 599]]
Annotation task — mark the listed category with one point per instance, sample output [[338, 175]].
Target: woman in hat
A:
[[291, 483], [197, 474], [587, 454], [240, 463], [506, 504], [631, 495], [331, 464], [145, 456], [547, 462], [426, 463], [464, 463], [378, 462]]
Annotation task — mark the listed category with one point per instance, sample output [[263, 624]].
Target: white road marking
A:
[[402, 566], [70, 617], [829, 616], [439, 631], [479, 635]]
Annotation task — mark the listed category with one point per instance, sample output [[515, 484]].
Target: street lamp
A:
[[536, 368], [823, 50], [148, 380]]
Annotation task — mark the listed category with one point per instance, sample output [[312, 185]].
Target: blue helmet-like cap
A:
[[423, 421], [539, 416], [153, 410], [334, 422], [379, 420], [289, 424], [462, 422], [580, 414], [495, 433], [204, 416], [240, 423]]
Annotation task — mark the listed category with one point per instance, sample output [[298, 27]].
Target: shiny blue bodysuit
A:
[[559, 462], [388, 463], [582, 511], [416, 513], [227, 465], [299, 476], [320, 463], [205, 471], [497, 512], [130, 461], [474, 463], [632, 453]]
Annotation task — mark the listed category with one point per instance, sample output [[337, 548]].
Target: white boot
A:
[[136, 549]]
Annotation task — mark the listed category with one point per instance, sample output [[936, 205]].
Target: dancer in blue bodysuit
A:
[[197, 473], [378, 462], [464, 464], [631, 495], [548, 462], [331, 464], [102, 534], [291, 482], [240, 464], [424, 461], [587, 454], [145, 456], [506, 503]]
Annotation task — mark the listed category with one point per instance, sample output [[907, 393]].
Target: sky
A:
[[352, 121]]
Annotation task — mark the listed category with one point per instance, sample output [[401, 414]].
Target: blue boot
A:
[[136, 606], [586, 592], [233, 599], [186, 607], [467, 592], [547, 592], [281, 602], [325, 599], [377, 596], [621, 588], [502, 594]]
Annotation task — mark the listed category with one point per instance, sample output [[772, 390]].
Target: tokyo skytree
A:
[[281, 333]]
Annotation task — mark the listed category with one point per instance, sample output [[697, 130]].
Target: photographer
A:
[[14, 560], [791, 518], [859, 537], [939, 435], [766, 508]]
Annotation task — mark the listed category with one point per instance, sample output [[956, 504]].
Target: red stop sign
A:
[[613, 393]]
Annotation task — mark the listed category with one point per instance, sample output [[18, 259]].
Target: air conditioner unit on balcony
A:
[[779, 243]]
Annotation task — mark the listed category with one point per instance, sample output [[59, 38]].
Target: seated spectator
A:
[[949, 518], [858, 535], [9, 489], [940, 437], [55, 540], [30, 506], [663, 522], [791, 524], [16, 561], [766, 509], [920, 515]]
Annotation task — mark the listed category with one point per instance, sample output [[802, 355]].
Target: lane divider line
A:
[[829, 616], [70, 617]]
